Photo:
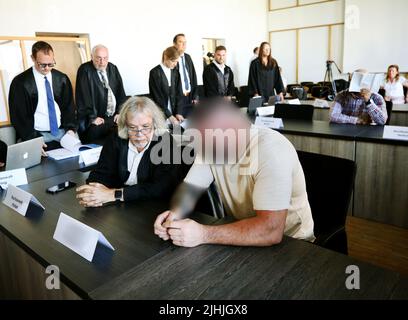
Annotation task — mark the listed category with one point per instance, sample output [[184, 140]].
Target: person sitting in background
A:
[[264, 76], [3, 154], [362, 108], [130, 166], [218, 78], [41, 99], [259, 179], [99, 95], [394, 86], [165, 86]]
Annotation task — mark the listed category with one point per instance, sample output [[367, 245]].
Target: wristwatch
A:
[[118, 194]]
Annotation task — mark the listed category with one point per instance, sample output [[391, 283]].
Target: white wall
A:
[[376, 34], [137, 32]]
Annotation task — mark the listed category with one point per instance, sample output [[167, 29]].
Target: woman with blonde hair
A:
[[131, 166], [394, 86]]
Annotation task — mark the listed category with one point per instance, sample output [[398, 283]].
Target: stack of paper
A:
[[71, 147]]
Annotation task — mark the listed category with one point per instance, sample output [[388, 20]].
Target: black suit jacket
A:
[[23, 100], [90, 95], [160, 91], [211, 85], [192, 74], [154, 180]]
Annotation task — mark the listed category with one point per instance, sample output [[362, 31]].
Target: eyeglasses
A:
[[45, 65], [144, 130]]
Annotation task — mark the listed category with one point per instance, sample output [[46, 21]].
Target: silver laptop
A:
[[26, 154], [254, 103]]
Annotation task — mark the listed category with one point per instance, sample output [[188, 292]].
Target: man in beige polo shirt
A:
[[263, 187]]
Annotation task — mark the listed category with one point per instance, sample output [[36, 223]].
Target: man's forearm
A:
[[248, 232]]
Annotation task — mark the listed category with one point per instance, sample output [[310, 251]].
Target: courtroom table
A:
[[27, 246], [291, 270]]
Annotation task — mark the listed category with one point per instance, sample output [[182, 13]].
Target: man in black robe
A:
[[99, 96]]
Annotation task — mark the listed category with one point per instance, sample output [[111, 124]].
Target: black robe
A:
[[160, 91], [192, 75], [23, 100], [264, 80], [155, 181], [211, 81], [90, 95]]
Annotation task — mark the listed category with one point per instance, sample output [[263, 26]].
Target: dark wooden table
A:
[[292, 270], [128, 227]]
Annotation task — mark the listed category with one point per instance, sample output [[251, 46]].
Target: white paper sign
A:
[[90, 157], [395, 133], [294, 102], [321, 104], [19, 200], [273, 123], [16, 177], [79, 237], [266, 111]]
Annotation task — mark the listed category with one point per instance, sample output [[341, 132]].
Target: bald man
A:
[[99, 96]]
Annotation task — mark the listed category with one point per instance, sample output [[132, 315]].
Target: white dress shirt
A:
[[181, 63], [167, 72], [133, 161], [220, 66], [41, 117]]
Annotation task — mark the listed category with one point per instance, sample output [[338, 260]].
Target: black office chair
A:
[[294, 112], [308, 85], [290, 88], [329, 184], [243, 97], [299, 93], [389, 106], [321, 92], [341, 85]]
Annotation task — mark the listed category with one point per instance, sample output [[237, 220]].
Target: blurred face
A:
[[266, 50], [393, 73], [220, 56], [100, 59], [181, 44], [140, 129], [44, 63], [170, 63]]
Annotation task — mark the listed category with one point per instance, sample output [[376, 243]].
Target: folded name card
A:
[[17, 177], [395, 133], [90, 157], [266, 111], [79, 237], [273, 123], [19, 200]]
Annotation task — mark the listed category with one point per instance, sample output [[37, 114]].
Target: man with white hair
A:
[[99, 95]]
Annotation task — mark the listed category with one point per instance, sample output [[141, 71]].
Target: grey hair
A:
[[141, 105], [98, 46]]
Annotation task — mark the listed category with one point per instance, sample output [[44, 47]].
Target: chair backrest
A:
[[329, 184], [320, 91], [307, 84], [243, 97], [294, 112], [341, 85], [290, 87], [389, 106], [299, 93]]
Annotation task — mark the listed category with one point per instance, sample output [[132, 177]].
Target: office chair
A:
[[329, 184], [290, 87], [308, 85], [294, 112], [320, 92], [243, 97], [299, 93], [341, 85], [389, 106]]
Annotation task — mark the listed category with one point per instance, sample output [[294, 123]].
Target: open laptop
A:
[[254, 103], [26, 154], [294, 112]]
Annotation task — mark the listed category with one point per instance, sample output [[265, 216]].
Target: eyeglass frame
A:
[[143, 131], [45, 65]]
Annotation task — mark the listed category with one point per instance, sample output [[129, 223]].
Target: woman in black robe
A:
[[264, 75]]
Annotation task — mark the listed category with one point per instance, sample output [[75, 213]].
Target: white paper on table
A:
[[319, 103], [294, 101], [265, 111], [90, 157]]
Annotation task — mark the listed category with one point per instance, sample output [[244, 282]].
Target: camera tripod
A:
[[328, 77]]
